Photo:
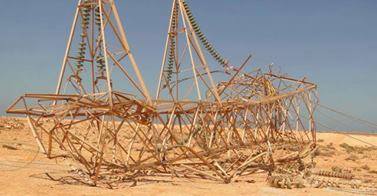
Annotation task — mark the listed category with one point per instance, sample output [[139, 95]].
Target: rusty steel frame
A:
[[228, 130]]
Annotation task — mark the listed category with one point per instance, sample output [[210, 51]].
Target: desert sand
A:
[[23, 168]]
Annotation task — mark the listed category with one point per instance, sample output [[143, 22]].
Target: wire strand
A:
[[371, 124]]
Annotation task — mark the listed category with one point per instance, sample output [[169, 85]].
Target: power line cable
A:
[[347, 135], [371, 124]]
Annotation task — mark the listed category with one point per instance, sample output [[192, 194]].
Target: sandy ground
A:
[[22, 171]]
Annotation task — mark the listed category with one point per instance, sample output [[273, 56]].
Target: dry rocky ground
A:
[[23, 169]]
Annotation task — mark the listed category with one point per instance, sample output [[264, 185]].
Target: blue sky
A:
[[333, 43]]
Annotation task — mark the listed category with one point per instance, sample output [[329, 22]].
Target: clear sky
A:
[[333, 43]]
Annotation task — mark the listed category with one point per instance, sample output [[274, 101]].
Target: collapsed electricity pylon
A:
[[83, 119], [234, 125], [198, 125]]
